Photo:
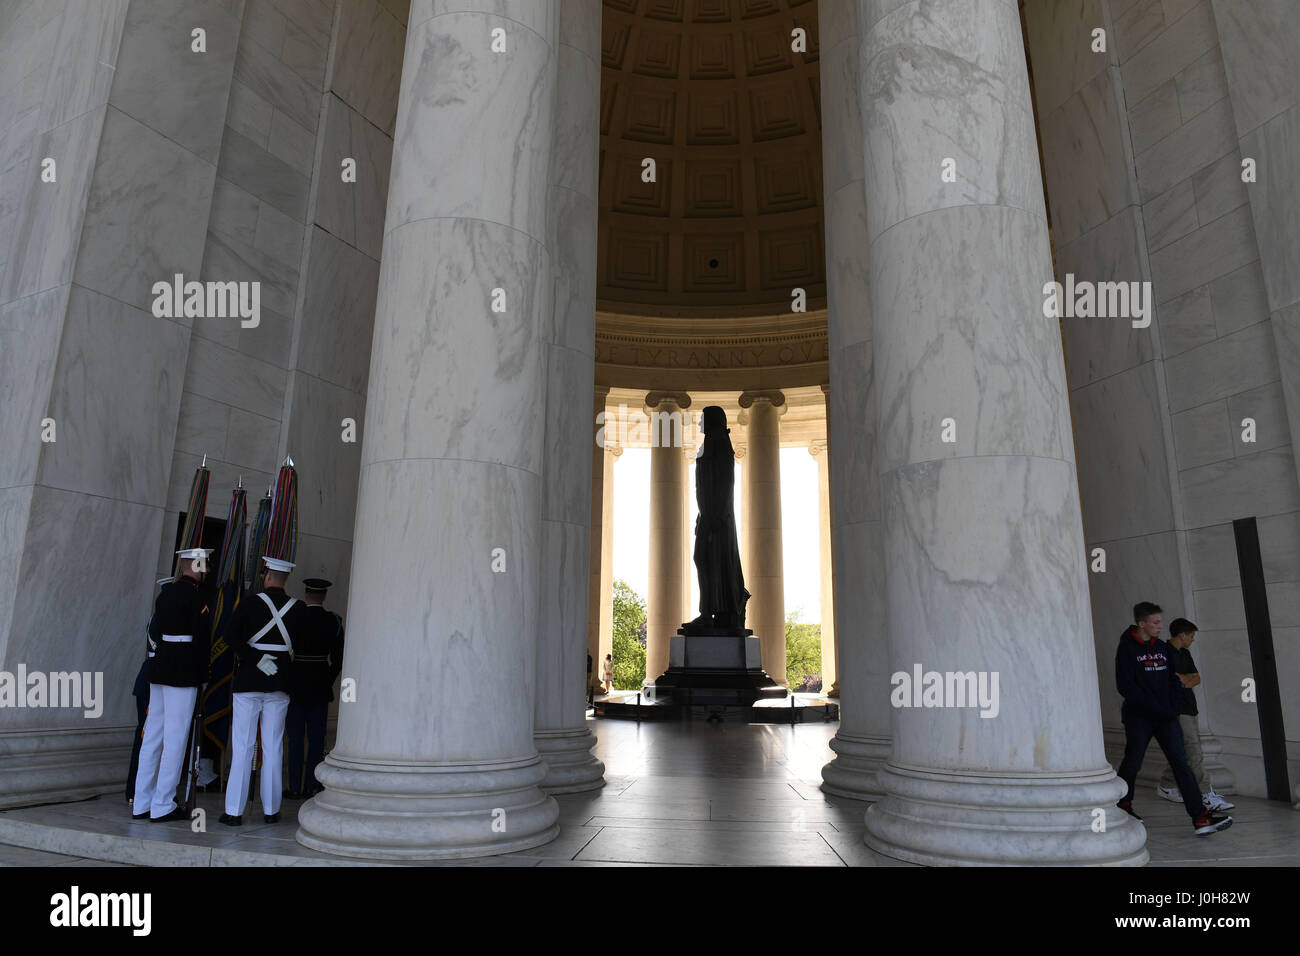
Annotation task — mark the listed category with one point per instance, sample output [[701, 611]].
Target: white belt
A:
[[178, 638]]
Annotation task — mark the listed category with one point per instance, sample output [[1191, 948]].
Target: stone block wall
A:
[[315, 83], [129, 113], [222, 164], [1143, 163]]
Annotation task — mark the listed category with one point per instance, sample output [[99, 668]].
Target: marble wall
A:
[[135, 161], [1143, 168], [221, 165], [1259, 43], [315, 83], [1220, 356], [1123, 442]]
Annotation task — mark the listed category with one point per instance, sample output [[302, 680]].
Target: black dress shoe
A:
[[270, 818], [177, 814], [140, 816], [230, 821]]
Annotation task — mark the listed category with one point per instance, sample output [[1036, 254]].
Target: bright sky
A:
[[801, 552]]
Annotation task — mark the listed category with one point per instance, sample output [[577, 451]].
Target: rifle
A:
[[192, 754]]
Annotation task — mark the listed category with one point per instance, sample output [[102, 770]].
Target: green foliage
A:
[[803, 654], [629, 637], [803, 644]]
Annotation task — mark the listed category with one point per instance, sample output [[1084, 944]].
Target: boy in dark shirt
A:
[[1145, 677], [1181, 634]]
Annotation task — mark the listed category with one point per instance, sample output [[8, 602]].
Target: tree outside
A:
[[629, 637], [803, 655], [803, 645]]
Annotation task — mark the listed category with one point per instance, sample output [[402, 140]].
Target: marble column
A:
[[612, 454], [599, 611], [834, 689], [742, 489], [435, 757], [560, 732], [668, 550], [689, 610], [830, 672], [764, 575], [983, 533], [862, 742]]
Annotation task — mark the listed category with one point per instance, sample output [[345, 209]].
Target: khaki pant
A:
[[1195, 760]]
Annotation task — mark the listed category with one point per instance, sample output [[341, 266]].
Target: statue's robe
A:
[[717, 553]]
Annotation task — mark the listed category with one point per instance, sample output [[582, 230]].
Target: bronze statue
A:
[[717, 555]]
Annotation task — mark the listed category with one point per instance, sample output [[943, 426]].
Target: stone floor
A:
[[676, 794]]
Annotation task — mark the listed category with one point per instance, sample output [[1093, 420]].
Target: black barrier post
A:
[[1263, 661]]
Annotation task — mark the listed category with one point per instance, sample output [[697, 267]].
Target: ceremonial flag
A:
[[257, 545], [192, 537], [282, 536], [192, 534], [230, 584]]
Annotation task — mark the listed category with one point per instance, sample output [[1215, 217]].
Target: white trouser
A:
[[272, 707], [162, 749]]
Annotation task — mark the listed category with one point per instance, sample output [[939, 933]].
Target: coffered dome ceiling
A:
[[712, 91]]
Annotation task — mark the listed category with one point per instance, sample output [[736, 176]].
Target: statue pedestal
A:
[[708, 666]]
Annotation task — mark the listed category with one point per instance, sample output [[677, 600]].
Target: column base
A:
[[388, 811], [942, 818], [853, 772], [571, 767], [1220, 775], [59, 766], [835, 689]]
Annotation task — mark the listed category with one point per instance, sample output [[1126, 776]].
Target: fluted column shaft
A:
[[978, 489], [688, 531], [612, 455], [560, 733], [599, 612], [446, 560], [829, 670], [862, 741], [669, 551], [763, 565]]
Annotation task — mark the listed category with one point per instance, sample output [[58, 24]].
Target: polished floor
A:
[[694, 794]]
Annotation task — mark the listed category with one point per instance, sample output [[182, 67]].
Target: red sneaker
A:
[[1208, 823]]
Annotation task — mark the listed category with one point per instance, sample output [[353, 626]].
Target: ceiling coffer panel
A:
[[727, 219]]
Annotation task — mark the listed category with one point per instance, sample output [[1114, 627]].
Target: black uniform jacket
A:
[[250, 617], [180, 610], [318, 661]]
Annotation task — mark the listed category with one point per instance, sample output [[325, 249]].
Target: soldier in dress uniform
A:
[[263, 633], [180, 665], [140, 691], [317, 662]]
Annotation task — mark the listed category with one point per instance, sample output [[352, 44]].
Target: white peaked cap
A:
[[277, 564], [195, 552]]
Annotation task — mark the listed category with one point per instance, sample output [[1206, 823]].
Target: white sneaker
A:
[[1171, 794], [1214, 801]]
